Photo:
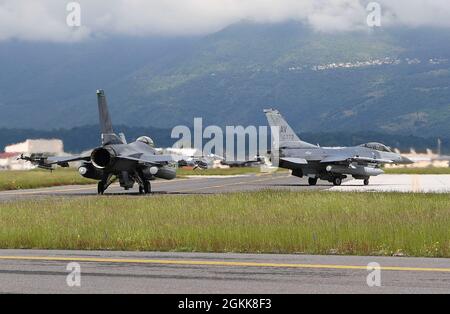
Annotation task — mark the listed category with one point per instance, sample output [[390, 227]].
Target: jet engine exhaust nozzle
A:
[[102, 157]]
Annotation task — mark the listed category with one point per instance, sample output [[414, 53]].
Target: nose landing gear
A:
[[102, 185], [100, 188]]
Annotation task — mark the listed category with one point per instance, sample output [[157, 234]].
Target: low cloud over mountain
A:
[[46, 19]]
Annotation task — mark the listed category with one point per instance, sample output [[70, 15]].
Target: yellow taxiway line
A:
[[216, 263]]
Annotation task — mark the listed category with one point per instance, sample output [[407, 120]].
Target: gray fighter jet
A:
[[130, 163], [331, 164]]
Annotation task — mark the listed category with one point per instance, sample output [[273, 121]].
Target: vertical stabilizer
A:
[[106, 129], [287, 136], [103, 113]]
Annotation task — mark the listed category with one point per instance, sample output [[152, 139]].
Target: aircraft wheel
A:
[[312, 181], [100, 188], [141, 190], [147, 187], [366, 181], [337, 181]]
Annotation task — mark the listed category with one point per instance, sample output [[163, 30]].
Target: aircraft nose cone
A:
[[405, 161]]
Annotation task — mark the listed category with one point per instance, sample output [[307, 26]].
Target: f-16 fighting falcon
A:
[[130, 163], [331, 164]]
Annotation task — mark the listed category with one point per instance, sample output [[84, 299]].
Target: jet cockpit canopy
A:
[[377, 146], [146, 140]]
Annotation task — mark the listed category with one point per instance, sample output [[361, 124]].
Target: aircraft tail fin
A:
[[287, 136], [106, 129], [103, 113]]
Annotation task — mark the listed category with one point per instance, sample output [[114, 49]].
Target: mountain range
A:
[[79, 139], [391, 81]]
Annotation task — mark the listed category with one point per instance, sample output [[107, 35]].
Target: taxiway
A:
[[40, 271]]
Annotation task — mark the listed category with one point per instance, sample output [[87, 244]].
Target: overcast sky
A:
[[45, 20]]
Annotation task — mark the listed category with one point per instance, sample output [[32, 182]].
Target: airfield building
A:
[[8, 159], [40, 146]]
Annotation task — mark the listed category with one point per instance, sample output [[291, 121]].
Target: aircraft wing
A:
[[47, 162], [64, 160], [150, 159], [293, 160], [342, 158], [159, 160]]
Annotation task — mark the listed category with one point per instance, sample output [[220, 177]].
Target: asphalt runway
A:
[[38, 271], [30, 271], [254, 182], [185, 186]]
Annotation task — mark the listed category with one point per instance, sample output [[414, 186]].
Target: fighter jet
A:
[[331, 164], [115, 159]]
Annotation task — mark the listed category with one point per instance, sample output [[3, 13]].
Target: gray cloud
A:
[[46, 19]]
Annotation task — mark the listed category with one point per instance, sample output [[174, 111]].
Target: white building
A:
[[8, 159], [40, 146]]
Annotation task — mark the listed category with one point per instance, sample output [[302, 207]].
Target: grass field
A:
[[267, 221], [417, 170], [14, 180]]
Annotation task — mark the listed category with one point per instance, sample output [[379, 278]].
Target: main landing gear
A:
[[335, 180], [145, 188], [144, 185]]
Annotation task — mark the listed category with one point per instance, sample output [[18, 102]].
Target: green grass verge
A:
[[266, 221], [14, 180], [417, 170]]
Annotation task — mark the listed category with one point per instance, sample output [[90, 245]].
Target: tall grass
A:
[[23, 179], [266, 221], [429, 170]]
